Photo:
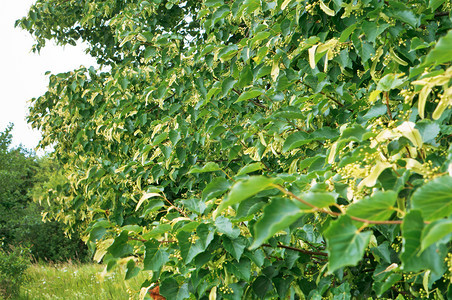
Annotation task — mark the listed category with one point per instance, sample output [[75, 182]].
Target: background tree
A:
[[257, 149], [21, 174]]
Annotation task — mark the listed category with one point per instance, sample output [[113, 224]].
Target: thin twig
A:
[[332, 213], [240, 140], [217, 160], [387, 105], [441, 14], [326, 95], [177, 208], [144, 241], [297, 249], [239, 93], [312, 246]]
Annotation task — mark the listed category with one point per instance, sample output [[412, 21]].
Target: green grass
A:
[[78, 281]]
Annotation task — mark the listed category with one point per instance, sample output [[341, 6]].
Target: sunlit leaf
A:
[[245, 189], [278, 215], [434, 199], [346, 244]]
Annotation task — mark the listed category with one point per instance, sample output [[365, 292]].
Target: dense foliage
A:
[[12, 272], [21, 175], [257, 149]]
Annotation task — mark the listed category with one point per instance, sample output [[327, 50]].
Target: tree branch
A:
[[387, 105], [298, 250], [441, 14], [144, 241], [332, 213], [326, 95]]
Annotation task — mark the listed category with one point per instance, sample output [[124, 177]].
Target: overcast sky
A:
[[22, 72]]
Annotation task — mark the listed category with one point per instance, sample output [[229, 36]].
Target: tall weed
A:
[[78, 281]]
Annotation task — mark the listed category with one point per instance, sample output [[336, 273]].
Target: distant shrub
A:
[[12, 271], [49, 243]]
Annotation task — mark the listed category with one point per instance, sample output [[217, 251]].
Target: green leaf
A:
[[261, 286], [346, 33], [389, 82], [206, 234], [227, 84], [253, 167], [188, 226], [377, 207], [435, 232], [278, 215], [318, 199], [432, 258], [248, 208], [354, 133], [346, 244], [342, 292], [282, 285], [195, 205], [263, 71], [387, 283], [325, 133], [213, 3], [244, 189], [257, 256], [120, 247], [408, 17], [159, 138], [428, 130], [207, 49], [417, 44], [145, 197], [253, 93], [434, 4], [220, 13], [245, 77], [132, 270], [174, 136], [241, 269], [296, 140], [224, 225], [97, 233], [133, 228], [375, 111], [306, 163], [215, 188], [209, 167], [158, 231], [154, 257], [442, 52], [235, 246], [326, 9], [434, 199], [262, 35], [289, 115], [188, 249], [170, 289], [383, 251], [227, 52]]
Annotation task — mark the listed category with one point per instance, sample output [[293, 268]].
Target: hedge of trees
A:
[[22, 174], [256, 149]]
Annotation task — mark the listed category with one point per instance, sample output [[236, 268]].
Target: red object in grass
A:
[[155, 294]]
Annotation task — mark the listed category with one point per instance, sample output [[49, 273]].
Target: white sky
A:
[[22, 72]]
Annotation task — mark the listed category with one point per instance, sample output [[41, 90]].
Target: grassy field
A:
[[78, 281]]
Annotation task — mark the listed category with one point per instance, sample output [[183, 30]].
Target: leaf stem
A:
[[387, 105], [177, 208], [332, 213]]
